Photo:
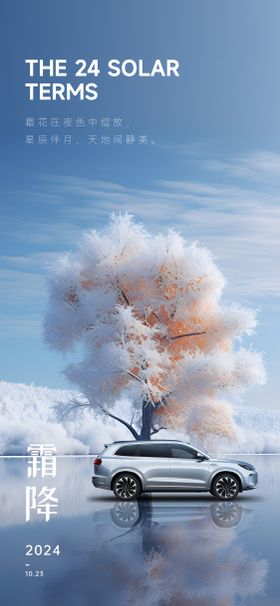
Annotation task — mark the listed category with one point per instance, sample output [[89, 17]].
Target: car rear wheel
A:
[[126, 487], [225, 487]]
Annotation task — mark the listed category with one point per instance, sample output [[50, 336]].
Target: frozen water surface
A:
[[166, 550]]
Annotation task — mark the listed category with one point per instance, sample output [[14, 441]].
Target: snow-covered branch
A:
[[116, 418]]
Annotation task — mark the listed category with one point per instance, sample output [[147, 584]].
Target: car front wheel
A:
[[225, 487], [126, 487]]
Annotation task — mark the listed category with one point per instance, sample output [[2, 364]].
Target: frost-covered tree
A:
[[147, 310]]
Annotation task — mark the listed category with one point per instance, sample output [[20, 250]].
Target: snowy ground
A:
[[27, 416]]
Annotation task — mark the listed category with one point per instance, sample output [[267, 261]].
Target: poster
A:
[[139, 410]]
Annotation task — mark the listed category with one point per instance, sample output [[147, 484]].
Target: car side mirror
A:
[[200, 457]]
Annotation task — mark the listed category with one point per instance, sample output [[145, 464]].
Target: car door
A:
[[153, 462], [187, 472]]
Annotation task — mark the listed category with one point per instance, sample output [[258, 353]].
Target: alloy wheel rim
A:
[[226, 512], [126, 513], [126, 487], [226, 487]]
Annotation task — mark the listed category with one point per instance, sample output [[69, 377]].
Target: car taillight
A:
[[97, 461]]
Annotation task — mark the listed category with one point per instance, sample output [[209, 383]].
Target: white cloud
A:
[[238, 220], [21, 286], [239, 223], [256, 165], [20, 326]]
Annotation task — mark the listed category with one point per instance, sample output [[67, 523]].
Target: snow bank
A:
[[261, 429], [27, 416]]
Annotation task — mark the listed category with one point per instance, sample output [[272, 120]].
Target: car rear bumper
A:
[[99, 481]]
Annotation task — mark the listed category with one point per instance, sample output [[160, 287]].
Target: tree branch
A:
[[128, 425], [124, 296], [187, 334], [155, 430], [131, 374]]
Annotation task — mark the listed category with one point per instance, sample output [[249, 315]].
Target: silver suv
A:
[[129, 468]]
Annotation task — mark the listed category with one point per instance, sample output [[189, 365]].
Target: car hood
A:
[[236, 461]]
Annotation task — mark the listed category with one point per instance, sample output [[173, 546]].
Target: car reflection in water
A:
[[163, 552], [129, 514], [191, 553]]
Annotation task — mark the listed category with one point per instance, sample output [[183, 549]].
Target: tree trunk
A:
[[147, 416]]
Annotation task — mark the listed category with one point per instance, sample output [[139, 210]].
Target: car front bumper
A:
[[251, 481]]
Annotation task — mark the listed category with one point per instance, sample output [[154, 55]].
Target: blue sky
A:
[[213, 172]]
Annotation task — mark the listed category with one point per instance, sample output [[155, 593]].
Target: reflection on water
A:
[[161, 550], [190, 553], [127, 515]]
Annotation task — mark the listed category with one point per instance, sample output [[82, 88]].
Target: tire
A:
[[226, 514], [125, 514], [126, 487], [225, 486]]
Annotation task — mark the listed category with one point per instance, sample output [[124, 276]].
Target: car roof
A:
[[145, 442]]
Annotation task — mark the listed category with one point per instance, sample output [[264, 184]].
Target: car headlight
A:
[[247, 466]]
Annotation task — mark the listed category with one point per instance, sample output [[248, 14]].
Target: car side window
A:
[[152, 450], [127, 451], [182, 452]]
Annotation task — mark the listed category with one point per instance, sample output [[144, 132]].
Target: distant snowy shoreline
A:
[[26, 416]]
